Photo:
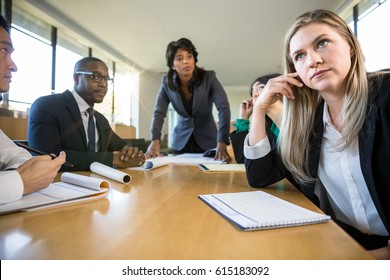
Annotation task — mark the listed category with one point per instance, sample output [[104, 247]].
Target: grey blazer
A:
[[201, 122]]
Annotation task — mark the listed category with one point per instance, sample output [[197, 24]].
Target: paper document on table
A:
[[195, 159], [184, 159], [230, 167], [71, 188], [153, 163], [157, 162], [259, 210]]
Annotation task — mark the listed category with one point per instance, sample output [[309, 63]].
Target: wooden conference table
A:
[[159, 216]]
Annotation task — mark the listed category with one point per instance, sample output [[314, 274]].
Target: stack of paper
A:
[[72, 187]]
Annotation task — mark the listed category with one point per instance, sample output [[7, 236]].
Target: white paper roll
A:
[[84, 181], [157, 162], [110, 172]]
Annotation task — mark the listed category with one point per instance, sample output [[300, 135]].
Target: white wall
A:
[[149, 84], [236, 95]]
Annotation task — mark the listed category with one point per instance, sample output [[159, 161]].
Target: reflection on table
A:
[[159, 216]]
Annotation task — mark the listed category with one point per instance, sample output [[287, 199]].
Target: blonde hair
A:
[[299, 115]]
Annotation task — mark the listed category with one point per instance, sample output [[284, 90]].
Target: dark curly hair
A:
[[172, 48]]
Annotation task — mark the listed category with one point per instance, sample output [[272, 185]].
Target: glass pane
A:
[[126, 87], [31, 23], [71, 44], [106, 107], [69, 51], [66, 60], [33, 78], [375, 43]]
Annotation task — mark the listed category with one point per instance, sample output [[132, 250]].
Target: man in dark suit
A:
[[67, 122]]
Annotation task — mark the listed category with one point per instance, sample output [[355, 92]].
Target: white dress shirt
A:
[[83, 107], [340, 173], [11, 157]]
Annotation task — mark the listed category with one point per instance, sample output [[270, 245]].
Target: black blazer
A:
[[237, 140], [374, 151], [55, 125]]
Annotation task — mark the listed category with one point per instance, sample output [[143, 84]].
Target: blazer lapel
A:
[[176, 99], [74, 111], [366, 145], [315, 142]]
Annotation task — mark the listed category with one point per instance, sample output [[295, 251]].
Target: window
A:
[[68, 52], [106, 107], [374, 42], [66, 60], [126, 99], [372, 19], [32, 56]]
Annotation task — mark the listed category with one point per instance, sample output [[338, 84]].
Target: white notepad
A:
[[259, 210]]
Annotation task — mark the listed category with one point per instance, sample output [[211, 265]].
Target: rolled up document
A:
[[157, 162], [84, 181], [110, 172]]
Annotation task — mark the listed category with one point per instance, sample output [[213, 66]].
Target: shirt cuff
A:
[[13, 186], [261, 149]]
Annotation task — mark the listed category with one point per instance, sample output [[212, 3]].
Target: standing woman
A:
[[334, 140], [192, 92]]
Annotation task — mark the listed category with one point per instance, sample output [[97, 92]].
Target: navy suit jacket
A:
[[55, 125], [201, 122], [374, 152]]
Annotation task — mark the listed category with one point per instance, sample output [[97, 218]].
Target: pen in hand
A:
[[28, 148]]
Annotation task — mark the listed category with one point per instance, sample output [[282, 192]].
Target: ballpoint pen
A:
[[28, 148]]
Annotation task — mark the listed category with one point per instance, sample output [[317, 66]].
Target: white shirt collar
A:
[[83, 106]]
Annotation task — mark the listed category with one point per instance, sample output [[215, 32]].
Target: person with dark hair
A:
[[274, 114], [192, 92], [20, 173], [69, 122], [334, 139]]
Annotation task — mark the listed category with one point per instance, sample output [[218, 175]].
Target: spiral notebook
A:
[[259, 210]]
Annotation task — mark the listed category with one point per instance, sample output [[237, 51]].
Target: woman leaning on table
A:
[[334, 139], [192, 92]]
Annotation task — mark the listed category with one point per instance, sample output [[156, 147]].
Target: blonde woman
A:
[[334, 141]]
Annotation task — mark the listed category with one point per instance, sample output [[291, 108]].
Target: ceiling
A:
[[239, 39]]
